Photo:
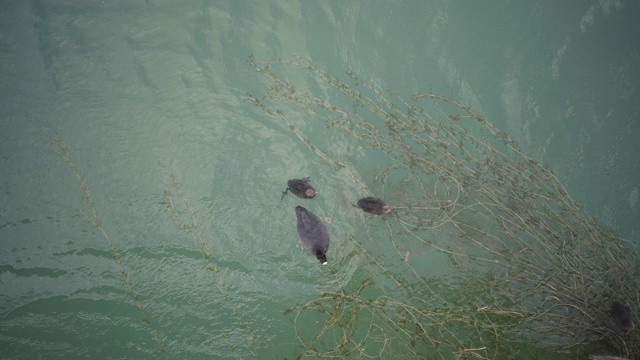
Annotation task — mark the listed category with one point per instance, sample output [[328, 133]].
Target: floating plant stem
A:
[[520, 262], [62, 150], [185, 217]]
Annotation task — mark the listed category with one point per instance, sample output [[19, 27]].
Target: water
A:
[[149, 94]]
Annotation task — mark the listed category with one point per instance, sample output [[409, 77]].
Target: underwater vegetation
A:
[[191, 223], [61, 148], [528, 271], [493, 258]]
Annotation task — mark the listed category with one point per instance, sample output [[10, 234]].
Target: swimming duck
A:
[[301, 188], [313, 234], [374, 205]]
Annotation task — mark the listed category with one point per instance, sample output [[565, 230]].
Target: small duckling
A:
[[621, 313], [301, 188], [374, 206]]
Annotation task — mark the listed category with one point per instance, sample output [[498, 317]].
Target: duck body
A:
[[374, 206], [312, 233], [623, 316], [300, 188]]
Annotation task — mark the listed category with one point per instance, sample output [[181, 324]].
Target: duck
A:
[[313, 234], [301, 188], [374, 206], [622, 315]]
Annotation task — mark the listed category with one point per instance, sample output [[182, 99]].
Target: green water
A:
[[150, 98]]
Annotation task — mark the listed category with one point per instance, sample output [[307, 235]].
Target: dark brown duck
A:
[[622, 315], [374, 206], [313, 234], [301, 188]]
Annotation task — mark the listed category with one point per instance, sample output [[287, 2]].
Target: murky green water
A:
[[185, 250]]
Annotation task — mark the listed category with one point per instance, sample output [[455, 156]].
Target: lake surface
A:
[[140, 210]]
